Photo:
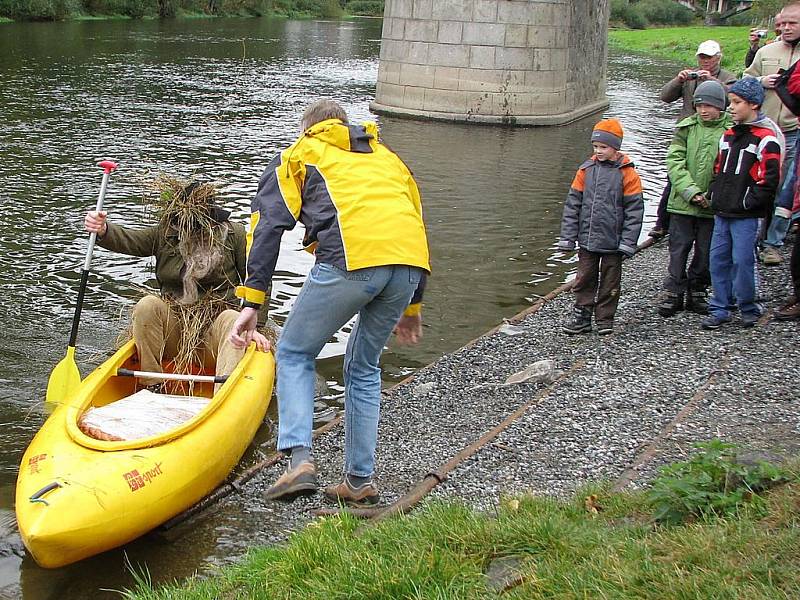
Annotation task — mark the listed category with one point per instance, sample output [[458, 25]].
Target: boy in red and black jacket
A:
[[747, 174]]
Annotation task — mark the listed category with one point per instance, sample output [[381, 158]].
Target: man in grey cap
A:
[[682, 86]]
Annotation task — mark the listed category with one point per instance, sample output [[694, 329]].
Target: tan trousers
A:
[[157, 333]]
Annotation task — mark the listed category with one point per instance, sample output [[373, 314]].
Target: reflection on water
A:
[[217, 99]]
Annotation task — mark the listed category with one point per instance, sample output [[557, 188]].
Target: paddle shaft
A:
[[172, 376], [73, 336]]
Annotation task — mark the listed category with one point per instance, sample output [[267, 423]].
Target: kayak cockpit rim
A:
[[87, 392]]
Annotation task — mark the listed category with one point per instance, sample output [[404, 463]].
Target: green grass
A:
[[680, 43], [443, 550]]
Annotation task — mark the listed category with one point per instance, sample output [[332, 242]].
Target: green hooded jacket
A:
[[690, 162]]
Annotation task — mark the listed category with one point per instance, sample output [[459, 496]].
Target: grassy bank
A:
[[598, 545], [680, 43]]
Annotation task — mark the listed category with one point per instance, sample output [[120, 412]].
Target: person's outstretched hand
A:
[[409, 329], [244, 329], [95, 222], [262, 343]]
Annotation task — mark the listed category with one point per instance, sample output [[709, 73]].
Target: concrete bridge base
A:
[[513, 62]]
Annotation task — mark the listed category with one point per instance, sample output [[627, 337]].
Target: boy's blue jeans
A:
[[733, 266], [329, 298]]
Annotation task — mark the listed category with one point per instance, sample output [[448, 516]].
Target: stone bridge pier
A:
[[516, 62]]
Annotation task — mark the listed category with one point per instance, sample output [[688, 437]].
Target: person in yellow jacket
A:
[[362, 214]]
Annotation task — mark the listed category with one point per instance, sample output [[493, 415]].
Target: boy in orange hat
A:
[[603, 214]]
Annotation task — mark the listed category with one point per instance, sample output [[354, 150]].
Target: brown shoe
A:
[[364, 495], [789, 311], [300, 480], [770, 256]]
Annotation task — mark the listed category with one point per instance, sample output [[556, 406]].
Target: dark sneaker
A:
[[789, 311], [712, 323], [364, 495], [580, 321], [697, 302], [657, 233], [670, 305], [294, 482], [605, 327], [750, 320]]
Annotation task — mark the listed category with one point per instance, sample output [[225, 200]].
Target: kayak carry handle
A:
[[172, 376], [37, 497]]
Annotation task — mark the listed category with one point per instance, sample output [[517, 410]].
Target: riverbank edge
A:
[[482, 481], [187, 15]]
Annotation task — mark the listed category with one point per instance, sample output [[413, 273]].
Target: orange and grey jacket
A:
[[357, 200], [604, 208]]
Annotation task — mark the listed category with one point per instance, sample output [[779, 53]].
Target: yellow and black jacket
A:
[[357, 200]]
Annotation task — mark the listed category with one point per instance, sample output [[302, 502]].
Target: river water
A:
[[217, 99]]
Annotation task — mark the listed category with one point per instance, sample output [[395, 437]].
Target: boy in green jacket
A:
[[690, 163]]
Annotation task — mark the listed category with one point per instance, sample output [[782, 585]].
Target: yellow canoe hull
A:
[[77, 496]]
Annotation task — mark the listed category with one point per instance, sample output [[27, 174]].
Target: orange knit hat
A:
[[609, 132]]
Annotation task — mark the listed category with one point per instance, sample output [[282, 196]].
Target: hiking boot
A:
[[697, 302], [712, 323], [789, 311], [657, 233], [770, 256], [364, 495], [580, 321], [670, 305], [294, 482], [605, 327]]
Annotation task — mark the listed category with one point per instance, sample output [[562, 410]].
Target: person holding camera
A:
[[683, 86], [758, 38]]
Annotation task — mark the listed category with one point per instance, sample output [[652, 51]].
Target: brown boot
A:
[[789, 311], [362, 496], [300, 480]]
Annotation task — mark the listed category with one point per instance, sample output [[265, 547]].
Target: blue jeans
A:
[[330, 297], [733, 266], [779, 226]]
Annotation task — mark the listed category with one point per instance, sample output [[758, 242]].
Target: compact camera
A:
[[693, 75], [761, 33]]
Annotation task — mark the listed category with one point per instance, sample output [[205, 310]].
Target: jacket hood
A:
[[353, 138], [762, 120]]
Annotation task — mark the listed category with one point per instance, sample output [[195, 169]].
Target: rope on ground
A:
[[631, 473], [434, 478]]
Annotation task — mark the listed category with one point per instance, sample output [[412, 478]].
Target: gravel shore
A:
[[624, 404]]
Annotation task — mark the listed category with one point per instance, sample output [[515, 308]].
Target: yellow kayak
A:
[[77, 496]]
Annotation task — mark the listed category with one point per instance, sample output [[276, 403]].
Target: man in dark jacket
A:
[[748, 170]]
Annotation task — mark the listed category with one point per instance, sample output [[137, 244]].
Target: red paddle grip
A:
[[107, 165]]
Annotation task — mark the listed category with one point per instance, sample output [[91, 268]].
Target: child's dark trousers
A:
[[687, 233], [597, 283]]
